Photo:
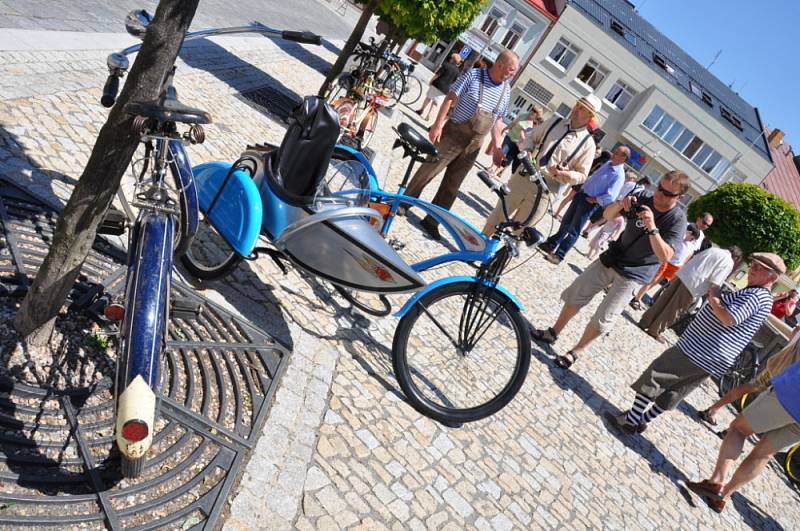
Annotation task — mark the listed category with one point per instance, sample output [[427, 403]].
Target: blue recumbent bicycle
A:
[[461, 350]]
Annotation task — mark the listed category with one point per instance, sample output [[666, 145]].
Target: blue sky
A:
[[760, 43]]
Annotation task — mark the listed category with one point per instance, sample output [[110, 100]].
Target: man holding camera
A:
[[656, 224]]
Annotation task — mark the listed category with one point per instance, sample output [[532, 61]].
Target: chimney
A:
[[775, 138]]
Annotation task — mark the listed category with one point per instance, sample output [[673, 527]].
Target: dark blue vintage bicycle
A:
[[163, 217]]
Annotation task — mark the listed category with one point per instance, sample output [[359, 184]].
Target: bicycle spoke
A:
[[439, 326]]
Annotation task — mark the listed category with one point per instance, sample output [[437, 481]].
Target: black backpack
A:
[[300, 163]]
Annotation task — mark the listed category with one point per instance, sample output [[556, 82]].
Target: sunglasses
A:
[[667, 192]]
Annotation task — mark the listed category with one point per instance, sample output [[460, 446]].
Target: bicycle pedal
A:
[[114, 223], [186, 309]]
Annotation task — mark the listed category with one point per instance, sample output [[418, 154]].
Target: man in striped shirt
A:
[[482, 96], [709, 347]]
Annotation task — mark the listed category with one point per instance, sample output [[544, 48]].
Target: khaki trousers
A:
[[457, 154], [524, 197], [668, 307]]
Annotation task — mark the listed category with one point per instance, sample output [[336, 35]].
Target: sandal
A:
[[566, 361], [547, 336], [636, 305], [705, 417]]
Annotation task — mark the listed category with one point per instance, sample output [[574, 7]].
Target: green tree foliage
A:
[[429, 20], [752, 218]]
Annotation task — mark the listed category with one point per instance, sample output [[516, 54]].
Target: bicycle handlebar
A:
[[110, 90], [117, 65], [495, 186], [532, 171]]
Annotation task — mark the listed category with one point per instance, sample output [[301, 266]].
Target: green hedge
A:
[[752, 218]]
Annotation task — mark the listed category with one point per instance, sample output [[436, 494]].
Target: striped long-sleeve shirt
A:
[[713, 346]]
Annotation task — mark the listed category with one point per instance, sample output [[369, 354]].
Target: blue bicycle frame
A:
[[472, 245]]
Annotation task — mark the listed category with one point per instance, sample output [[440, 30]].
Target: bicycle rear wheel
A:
[[366, 133], [395, 83], [371, 303], [209, 256], [741, 372], [461, 355]]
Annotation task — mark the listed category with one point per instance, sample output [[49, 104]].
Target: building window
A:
[[698, 91], [622, 31], [492, 22], [564, 53], [732, 118], [652, 119], [538, 92], [513, 36], [662, 62], [620, 95], [691, 146], [592, 74], [563, 110]]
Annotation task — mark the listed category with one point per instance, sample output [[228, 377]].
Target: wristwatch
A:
[[652, 232]]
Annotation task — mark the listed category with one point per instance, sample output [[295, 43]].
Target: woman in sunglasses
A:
[[655, 226]]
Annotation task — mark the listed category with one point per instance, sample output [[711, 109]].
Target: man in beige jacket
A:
[[564, 153]]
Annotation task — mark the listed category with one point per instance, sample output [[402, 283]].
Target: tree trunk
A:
[[350, 45], [77, 225]]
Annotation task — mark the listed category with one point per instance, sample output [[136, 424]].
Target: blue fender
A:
[[238, 211], [373, 178], [453, 280], [147, 296]]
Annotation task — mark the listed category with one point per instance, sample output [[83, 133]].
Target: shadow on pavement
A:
[[476, 203], [572, 381]]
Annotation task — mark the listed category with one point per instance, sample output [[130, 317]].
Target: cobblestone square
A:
[[341, 448]]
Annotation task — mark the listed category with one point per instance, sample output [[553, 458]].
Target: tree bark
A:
[[350, 45], [77, 225]]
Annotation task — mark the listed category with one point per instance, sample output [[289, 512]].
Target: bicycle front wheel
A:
[[412, 91], [461, 355]]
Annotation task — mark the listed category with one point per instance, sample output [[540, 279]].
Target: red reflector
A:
[[114, 312], [134, 430]]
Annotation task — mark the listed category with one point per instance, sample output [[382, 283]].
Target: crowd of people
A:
[[643, 239]]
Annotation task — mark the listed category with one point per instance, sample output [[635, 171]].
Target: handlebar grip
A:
[[306, 37], [110, 91], [487, 179], [526, 163]]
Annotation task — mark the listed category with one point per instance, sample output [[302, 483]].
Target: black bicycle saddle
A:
[[416, 140], [168, 110]]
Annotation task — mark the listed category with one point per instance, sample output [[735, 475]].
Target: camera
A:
[[634, 212]]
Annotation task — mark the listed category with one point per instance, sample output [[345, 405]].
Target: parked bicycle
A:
[[164, 228], [358, 113]]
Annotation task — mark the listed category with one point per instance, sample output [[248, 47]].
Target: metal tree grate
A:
[[271, 100], [58, 465]]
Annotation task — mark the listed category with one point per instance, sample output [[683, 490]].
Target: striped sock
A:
[[640, 403], [652, 413]]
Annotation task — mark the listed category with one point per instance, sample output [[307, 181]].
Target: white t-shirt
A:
[[681, 252], [712, 266]]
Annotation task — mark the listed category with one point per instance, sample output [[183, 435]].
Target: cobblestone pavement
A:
[[321, 16], [341, 448]]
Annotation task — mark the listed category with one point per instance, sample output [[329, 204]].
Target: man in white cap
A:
[[564, 152]]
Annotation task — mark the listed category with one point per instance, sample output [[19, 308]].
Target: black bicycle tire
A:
[[455, 415], [416, 83], [205, 273], [383, 312], [396, 95]]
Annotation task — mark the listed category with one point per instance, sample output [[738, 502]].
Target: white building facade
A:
[[517, 25], [656, 99]]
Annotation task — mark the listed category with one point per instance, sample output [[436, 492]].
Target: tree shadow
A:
[[18, 166]]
